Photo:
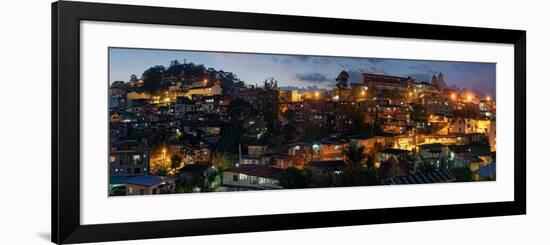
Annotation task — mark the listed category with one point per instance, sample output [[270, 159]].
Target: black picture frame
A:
[[66, 18]]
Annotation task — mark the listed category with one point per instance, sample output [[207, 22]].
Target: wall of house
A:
[[244, 180]]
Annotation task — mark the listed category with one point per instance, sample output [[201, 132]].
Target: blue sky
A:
[[304, 71]]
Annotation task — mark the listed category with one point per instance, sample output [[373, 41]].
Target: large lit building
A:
[[468, 126], [209, 90], [423, 90], [289, 96], [380, 85], [313, 95]]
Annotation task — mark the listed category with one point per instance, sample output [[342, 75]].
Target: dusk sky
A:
[[304, 71]]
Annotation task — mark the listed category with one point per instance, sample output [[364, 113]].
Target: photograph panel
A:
[[203, 121]]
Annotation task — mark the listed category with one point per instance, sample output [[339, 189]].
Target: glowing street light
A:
[[469, 98], [317, 94], [488, 98], [453, 96]]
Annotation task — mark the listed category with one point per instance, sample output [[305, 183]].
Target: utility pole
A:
[[240, 153]]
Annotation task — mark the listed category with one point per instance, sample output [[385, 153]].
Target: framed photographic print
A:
[[176, 122]]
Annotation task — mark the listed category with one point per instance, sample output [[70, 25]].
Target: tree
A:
[[152, 79], [358, 125], [269, 107], [357, 175], [175, 68], [317, 178], [232, 133], [342, 80], [289, 130], [221, 160], [422, 167], [198, 177], [133, 78], [176, 161], [463, 174], [292, 178], [160, 170], [354, 153]]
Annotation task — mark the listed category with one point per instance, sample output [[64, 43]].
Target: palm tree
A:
[[176, 161], [354, 153]]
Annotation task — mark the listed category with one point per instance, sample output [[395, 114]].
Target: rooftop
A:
[[438, 176], [148, 180], [328, 165], [488, 171], [431, 146], [256, 170], [394, 151]]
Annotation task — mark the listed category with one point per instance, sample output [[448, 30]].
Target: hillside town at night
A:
[[185, 128]]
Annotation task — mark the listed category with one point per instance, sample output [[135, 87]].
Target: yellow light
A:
[[166, 99], [205, 82], [163, 151], [453, 96], [469, 97], [317, 94], [410, 94], [488, 98], [363, 93]]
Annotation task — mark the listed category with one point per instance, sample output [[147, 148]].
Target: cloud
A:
[[313, 77], [321, 60], [289, 59], [375, 61], [423, 68], [458, 67], [355, 76], [305, 59], [376, 70], [302, 58], [421, 77]]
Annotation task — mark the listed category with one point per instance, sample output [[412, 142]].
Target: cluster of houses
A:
[[429, 133]]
